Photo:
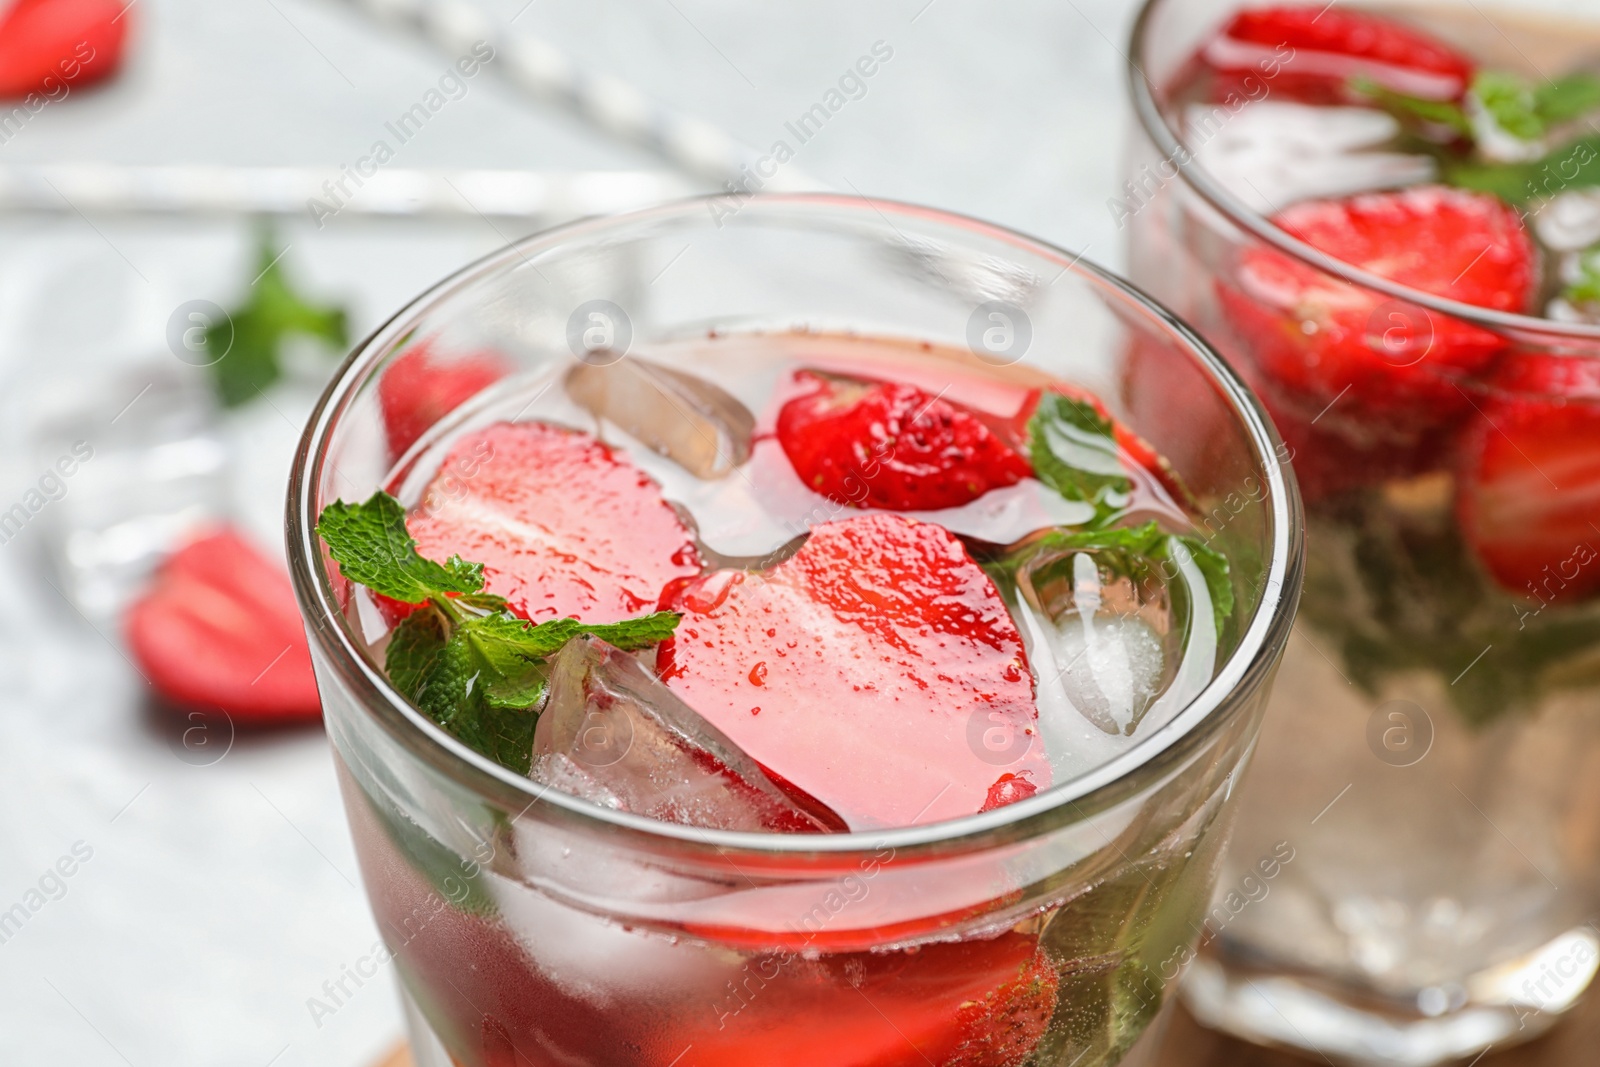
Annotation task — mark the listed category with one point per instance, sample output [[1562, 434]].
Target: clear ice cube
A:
[[1271, 154], [1115, 655], [698, 425], [1569, 221], [612, 733], [140, 464], [1112, 639]]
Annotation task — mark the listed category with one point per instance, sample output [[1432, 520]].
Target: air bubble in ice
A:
[[1108, 635]]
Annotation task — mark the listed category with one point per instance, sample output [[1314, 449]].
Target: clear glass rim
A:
[[1171, 146], [1246, 669]]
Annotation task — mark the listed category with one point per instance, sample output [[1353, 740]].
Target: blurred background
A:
[[177, 891]]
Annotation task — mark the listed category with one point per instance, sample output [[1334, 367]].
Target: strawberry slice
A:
[[421, 387], [1313, 53], [889, 445], [1528, 491], [47, 45], [219, 629], [563, 524], [879, 628], [1364, 359], [963, 1004]]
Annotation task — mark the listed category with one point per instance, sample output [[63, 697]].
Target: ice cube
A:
[[1109, 635], [139, 463], [698, 425], [612, 733], [1569, 221], [1271, 154], [1572, 268], [1118, 643]]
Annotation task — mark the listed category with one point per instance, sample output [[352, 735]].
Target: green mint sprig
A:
[[1073, 448], [1527, 110], [1522, 109], [1444, 113], [462, 658], [252, 335]]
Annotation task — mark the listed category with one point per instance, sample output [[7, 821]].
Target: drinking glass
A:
[[1432, 748], [528, 926]]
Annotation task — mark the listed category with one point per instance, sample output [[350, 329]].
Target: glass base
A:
[[426, 1051], [1509, 1004]]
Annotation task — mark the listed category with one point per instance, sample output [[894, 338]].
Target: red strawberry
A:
[[1008, 789], [1313, 52], [877, 670], [46, 45], [1002, 1028], [888, 445], [420, 388], [219, 628], [976, 1003], [1528, 491], [1389, 371], [563, 524], [1333, 455]]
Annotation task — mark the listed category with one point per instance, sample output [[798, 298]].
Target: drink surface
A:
[[884, 584], [897, 585]]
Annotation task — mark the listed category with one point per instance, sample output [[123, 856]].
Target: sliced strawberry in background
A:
[[1313, 52], [1528, 488], [421, 387], [976, 1003], [877, 670], [889, 445], [1331, 455], [46, 45], [219, 629], [563, 524], [1379, 368]]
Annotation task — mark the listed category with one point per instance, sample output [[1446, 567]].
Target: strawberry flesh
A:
[[890, 445], [48, 45], [879, 627], [1338, 352], [421, 387], [1314, 52], [563, 524], [975, 1003], [219, 629], [1528, 491]]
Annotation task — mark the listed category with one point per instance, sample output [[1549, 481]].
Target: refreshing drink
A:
[[751, 691], [1386, 218]]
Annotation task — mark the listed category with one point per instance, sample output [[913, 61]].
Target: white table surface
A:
[[218, 899]]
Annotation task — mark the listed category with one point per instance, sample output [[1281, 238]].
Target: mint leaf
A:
[[253, 334], [1527, 111], [1073, 448], [454, 692], [373, 548], [1511, 102], [480, 676], [1403, 107], [1567, 97], [413, 647], [1573, 166]]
